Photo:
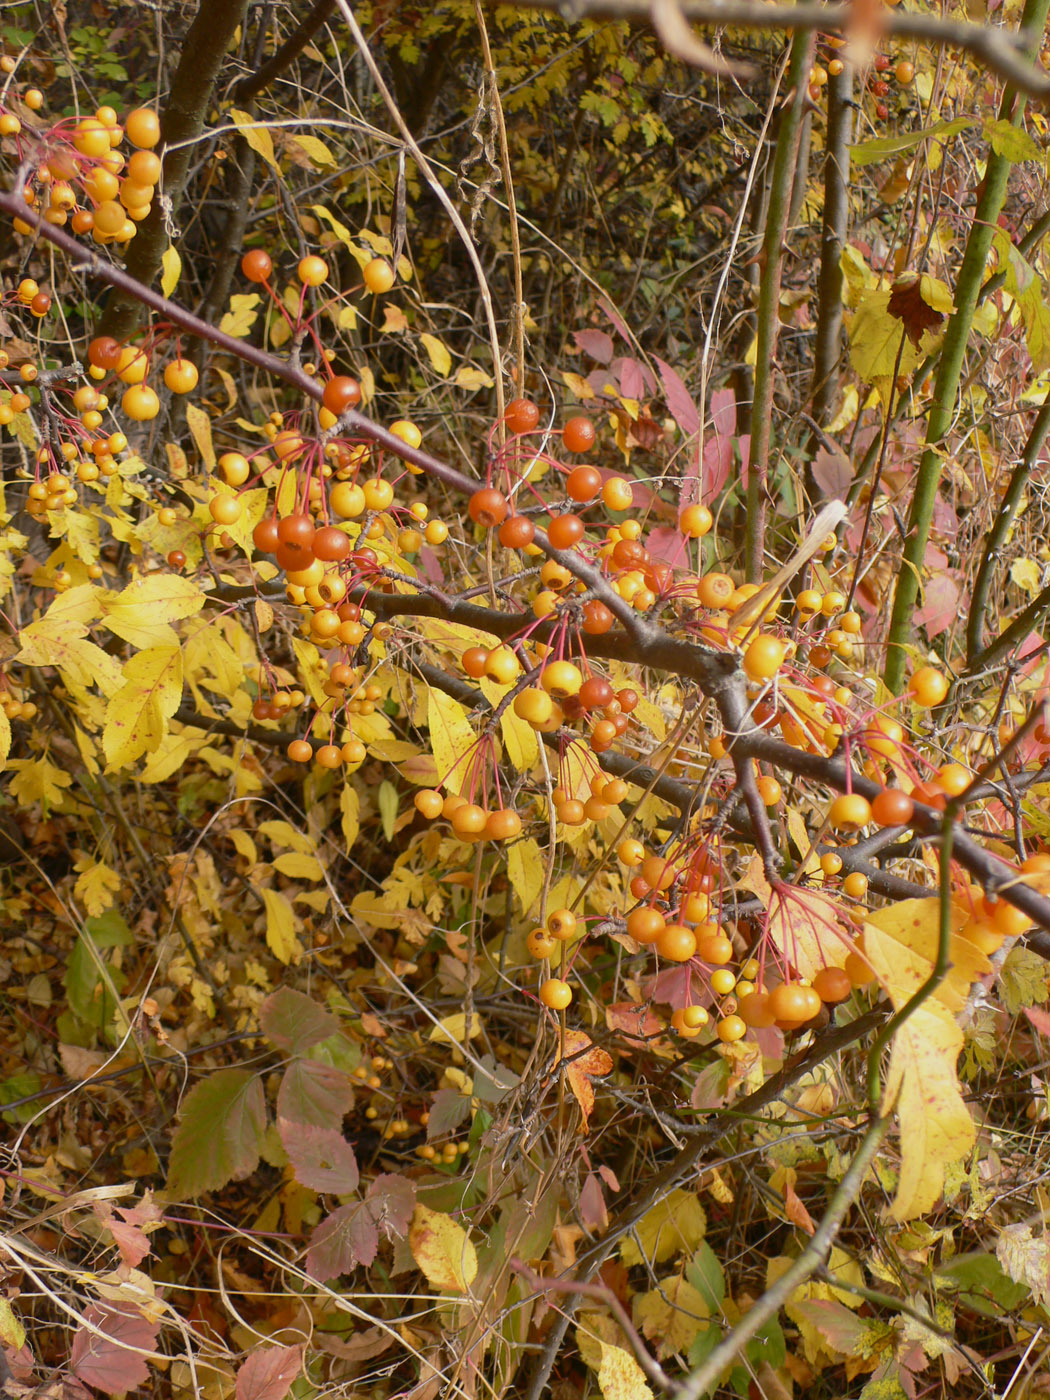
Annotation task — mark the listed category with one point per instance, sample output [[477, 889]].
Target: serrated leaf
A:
[[268, 1373], [440, 358], [170, 270], [293, 1021], [97, 887], [137, 715], [142, 612], [256, 135], [347, 1237], [674, 1225], [242, 315], [471, 379], [281, 924], [1009, 141], [107, 1349], [671, 1315], [619, 1375], [442, 1249], [922, 1086], [314, 1094], [219, 1135], [321, 1158]]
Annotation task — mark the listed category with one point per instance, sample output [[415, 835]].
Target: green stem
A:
[[949, 372], [782, 182]]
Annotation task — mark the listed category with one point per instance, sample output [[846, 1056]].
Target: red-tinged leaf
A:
[[343, 1240], [268, 1373], [616, 320], [609, 1177], [940, 605], [293, 1022], [840, 1328], [321, 1158], [675, 987], [723, 412], [314, 1094], [359, 1346], [220, 1133], [680, 402], [597, 344], [743, 444], [1039, 1018], [717, 465], [584, 1062], [637, 1025], [393, 1200], [908, 303], [832, 473], [636, 379], [129, 1239], [593, 1212], [668, 545], [711, 1086], [113, 1362]]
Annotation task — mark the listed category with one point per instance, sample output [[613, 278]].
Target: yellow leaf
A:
[[171, 270], [674, 1225], [97, 887], [298, 866], [378, 242], [242, 315], [37, 780], [442, 1249], [619, 1375], [281, 924], [316, 150], [341, 232], [469, 378], [922, 1085], [577, 385], [346, 318], [394, 319], [141, 612], [875, 339], [137, 715], [1027, 574], [349, 815], [243, 844], [525, 872], [672, 1315], [256, 135], [807, 928], [5, 738], [451, 737], [438, 352], [199, 425], [172, 754], [519, 739], [52, 641], [454, 1028]]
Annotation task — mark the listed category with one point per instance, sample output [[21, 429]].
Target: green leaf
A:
[[1010, 141], [982, 1284], [90, 999], [293, 1022], [706, 1276], [883, 147], [220, 1133]]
